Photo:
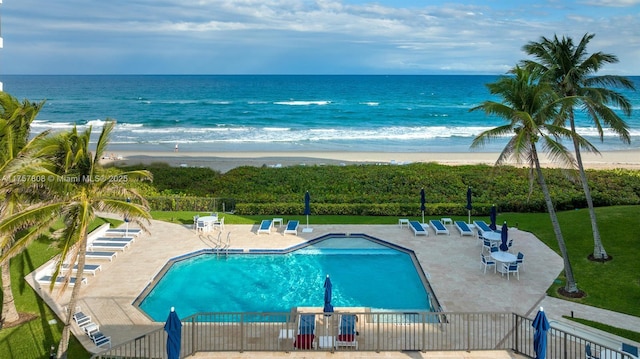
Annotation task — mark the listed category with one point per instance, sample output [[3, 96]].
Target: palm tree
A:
[[77, 189], [15, 125], [528, 105], [572, 70]]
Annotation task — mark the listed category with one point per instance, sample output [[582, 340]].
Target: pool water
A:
[[363, 274]]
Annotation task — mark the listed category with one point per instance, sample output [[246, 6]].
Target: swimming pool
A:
[[364, 273]]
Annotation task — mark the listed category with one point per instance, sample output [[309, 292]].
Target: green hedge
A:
[[391, 190]]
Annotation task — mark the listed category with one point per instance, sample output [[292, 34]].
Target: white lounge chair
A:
[[306, 334], [59, 280], [88, 268], [121, 246], [115, 239], [464, 228], [265, 226], [439, 227], [483, 226], [292, 227], [100, 255], [99, 339], [118, 232], [417, 228], [347, 331]]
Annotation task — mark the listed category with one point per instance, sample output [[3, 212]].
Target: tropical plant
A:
[[572, 71], [529, 107], [76, 188], [15, 125]]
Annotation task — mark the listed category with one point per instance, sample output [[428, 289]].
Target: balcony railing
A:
[[375, 331]]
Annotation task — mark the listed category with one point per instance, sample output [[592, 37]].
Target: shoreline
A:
[[225, 161]]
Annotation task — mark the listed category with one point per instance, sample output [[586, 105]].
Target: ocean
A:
[[287, 113]]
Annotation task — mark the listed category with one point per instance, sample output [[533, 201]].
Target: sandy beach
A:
[[225, 161]]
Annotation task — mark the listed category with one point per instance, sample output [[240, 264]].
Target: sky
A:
[[304, 36]]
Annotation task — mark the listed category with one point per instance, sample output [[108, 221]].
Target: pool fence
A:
[[375, 331]]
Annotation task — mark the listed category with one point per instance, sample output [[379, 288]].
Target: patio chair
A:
[[486, 244], [588, 353], [510, 268], [306, 332], [265, 226], [347, 331], [487, 263], [520, 259], [630, 349]]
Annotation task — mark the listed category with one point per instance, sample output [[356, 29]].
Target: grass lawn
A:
[[613, 285]]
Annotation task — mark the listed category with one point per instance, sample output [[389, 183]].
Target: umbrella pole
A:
[[307, 221], [422, 217], [469, 216]]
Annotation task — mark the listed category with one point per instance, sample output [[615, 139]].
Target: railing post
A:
[[517, 331], [378, 333], [424, 331], [241, 332], [193, 335]]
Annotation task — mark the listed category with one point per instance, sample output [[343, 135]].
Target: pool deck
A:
[[452, 263]]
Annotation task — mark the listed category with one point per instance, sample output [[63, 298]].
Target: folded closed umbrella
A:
[[469, 206], [423, 200], [504, 236], [328, 289], [492, 217], [173, 327], [541, 326]]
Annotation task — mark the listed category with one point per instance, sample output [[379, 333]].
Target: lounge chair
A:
[[59, 280], [100, 255], [439, 227], [115, 239], [483, 226], [417, 228], [81, 319], [306, 332], [347, 331], [100, 339], [292, 227], [88, 268], [108, 245], [265, 226], [117, 232], [464, 228]]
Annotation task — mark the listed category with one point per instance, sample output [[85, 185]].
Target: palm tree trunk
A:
[[598, 248], [9, 310], [63, 347], [570, 286]]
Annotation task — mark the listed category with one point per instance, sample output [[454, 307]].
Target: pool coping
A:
[[434, 304]]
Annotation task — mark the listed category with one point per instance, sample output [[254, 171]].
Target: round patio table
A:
[[503, 257]]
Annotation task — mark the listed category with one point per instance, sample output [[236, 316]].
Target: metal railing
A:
[[377, 331]]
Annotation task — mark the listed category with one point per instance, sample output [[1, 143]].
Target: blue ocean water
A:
[[281, 112]]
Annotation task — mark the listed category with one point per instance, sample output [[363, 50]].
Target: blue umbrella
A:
[[423, 200], [328, 287], [307, 206], [469, 207], [126, 220], [492, 217], [504, 236], [541, 325], [173, 327]]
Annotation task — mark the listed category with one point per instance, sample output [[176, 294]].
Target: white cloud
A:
[[285, 36]]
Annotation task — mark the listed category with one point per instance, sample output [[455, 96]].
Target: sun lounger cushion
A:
[[304, 341], [100, 255], [307, 324]]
